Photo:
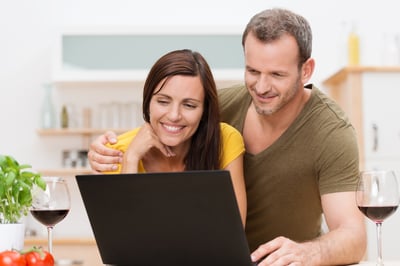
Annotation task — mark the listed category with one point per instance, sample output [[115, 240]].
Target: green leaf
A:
[[2, 161], [2, 190], [25, 196], [10, 177], [38, 180]]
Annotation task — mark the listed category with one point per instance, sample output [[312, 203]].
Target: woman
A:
[[182, 130]]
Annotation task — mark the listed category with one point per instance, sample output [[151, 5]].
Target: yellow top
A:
[[232, 145]]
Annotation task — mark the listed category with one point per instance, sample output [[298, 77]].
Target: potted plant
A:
[[16, 182]]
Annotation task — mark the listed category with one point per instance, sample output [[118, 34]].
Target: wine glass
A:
[[377, 198], [51, 205]]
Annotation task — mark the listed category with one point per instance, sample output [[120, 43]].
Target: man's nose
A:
[[263, 85]]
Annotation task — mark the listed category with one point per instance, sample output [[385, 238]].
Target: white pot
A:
[[12, 236]]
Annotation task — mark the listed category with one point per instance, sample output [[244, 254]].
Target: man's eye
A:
[[279, 75], [252, 71]]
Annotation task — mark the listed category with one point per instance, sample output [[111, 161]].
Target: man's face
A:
[[272, 75]]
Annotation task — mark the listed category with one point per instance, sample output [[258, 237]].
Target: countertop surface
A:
[[60, 241]]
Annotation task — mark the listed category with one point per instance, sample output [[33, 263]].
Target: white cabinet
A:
[[124, 55], [381, 116], [371, 98]]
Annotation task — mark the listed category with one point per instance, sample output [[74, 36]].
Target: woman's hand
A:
[[145, 140]]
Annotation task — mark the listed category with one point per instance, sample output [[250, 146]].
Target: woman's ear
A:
[[307, 70]]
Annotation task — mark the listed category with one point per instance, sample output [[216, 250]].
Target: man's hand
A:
[[283, 251], [102, 158]]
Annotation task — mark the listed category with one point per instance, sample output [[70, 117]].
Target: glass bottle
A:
[[64, 117], [48, 114], [353, 48]]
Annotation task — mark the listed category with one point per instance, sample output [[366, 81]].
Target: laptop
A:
[[174, 218]]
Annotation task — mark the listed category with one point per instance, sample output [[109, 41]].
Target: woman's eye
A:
[[163, 102], [190, 106]]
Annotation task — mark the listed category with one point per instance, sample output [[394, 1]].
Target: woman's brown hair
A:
[[205, 149]]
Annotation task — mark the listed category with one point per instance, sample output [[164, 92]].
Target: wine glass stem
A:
[[50, 238], [379, 242]]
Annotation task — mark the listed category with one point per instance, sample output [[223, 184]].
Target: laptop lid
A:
[[175, 218]]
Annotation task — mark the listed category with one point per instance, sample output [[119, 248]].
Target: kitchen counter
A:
[[85, 249], [60, 241]]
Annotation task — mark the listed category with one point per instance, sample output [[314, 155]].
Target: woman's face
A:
[[176, 109]]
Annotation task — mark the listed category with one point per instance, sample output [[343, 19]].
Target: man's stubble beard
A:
[[285, 100]]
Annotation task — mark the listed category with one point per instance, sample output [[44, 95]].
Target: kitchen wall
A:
[[28, 29]]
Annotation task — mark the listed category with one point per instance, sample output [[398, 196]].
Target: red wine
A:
[[49, 217], [377, 213]]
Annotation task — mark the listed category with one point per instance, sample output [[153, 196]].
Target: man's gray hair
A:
[[271, 24]]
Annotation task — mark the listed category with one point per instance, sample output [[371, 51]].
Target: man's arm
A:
[[102, 158], [345, 242]]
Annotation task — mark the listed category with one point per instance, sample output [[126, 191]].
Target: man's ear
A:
[[307, 70]]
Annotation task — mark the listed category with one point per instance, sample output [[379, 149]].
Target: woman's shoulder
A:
[[129, 134], [228, 131], [232, 144], [225, 127]]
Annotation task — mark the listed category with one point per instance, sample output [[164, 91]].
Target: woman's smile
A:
[[172, 128]]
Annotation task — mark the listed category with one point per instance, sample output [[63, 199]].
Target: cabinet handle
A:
[[375, 137]]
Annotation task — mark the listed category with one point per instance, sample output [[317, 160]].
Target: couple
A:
[[301, 158]]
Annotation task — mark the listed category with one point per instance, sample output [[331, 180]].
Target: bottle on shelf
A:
[[48, 113], [353, 46], [64, 117]]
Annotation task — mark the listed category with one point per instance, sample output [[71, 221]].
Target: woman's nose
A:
[[174, 113]]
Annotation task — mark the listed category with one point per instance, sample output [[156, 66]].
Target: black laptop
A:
[[154, 219]]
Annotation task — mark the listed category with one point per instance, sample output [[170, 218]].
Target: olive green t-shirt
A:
[[317, 154]]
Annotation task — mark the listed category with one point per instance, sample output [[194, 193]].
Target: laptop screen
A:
[[174, 218]]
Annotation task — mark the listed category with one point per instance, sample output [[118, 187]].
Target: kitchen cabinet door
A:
[[381, 115]]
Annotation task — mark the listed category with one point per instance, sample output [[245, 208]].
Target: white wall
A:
[[28, 29]]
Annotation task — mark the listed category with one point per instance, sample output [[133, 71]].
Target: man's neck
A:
[[261, 131]]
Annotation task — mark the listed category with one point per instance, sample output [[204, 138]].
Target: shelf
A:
[[131, 77], [342, 73], [64, 171], [78, 131]]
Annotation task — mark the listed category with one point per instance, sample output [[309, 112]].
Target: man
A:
[[301, 151]]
